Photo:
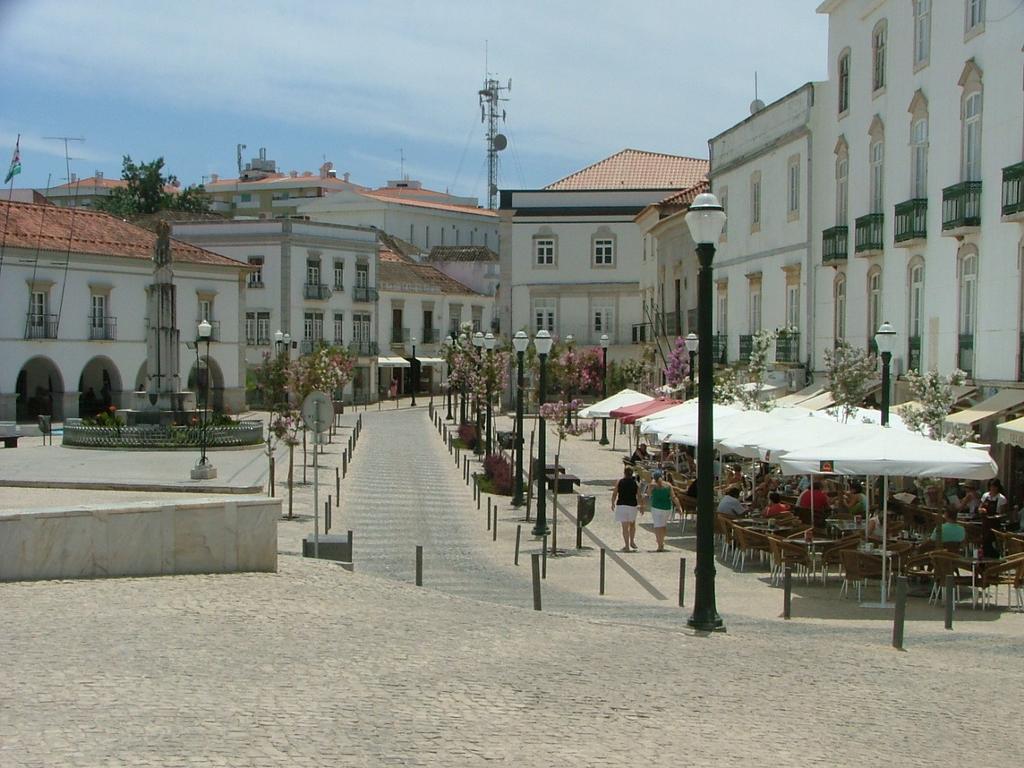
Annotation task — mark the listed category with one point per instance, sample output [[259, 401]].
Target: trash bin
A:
[[585, 505], [44, 424], [506, 440]]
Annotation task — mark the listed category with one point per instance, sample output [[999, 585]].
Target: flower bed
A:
[[154, 437]]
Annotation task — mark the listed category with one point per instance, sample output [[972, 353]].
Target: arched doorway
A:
[[141, 376], [40, 390], [98, 385], [215, 384]]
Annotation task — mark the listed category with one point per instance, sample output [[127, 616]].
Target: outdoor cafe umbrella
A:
[[630, 413], [602, 408]]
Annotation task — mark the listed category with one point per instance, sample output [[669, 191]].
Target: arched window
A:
[[844, 81], [842, 182], [874, 300], [967, 307], [972, 137], [839, 301], [876, 175], [915, 312], [878, 40], [919, 158]]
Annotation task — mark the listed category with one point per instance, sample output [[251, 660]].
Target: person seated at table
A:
[[813, 497], [856, 501], [950, 532], [763, 491], [691, 489], [875, 526], [776, 506], [691, 462], [968, 505], [734, 476], [730, 505], [640, 454]]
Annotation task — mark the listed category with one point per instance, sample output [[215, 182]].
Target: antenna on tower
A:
[[756, 105], [401, 167], [490, 113], [238, 153]]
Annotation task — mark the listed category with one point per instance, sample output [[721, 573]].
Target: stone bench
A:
[[140, 539], [9, 434], [565, 482]]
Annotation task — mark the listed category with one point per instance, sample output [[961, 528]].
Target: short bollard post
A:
[[488, 513], [950, 595], [327, 515], [579, 534], [419, 565], [475, 494], [900, 613], [519, 533], [682, 580], [535, 569], [544, 558], [337, 487], [787, 591], [600, 584], [344, 464], [494, 525], [352, 551], [272, 462]]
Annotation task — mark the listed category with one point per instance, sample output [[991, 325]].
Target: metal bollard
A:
[[535, 569], [478, 495], [682, 580], [600, 588], [544, 559], [787, 591], [488, 513], [494, 525], [950, 595], [327, 515], [579, 534], [900, 613], [419, 565], [344, 463], [519, 533], [337, 487]]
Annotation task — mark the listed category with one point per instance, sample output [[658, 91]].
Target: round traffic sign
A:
[[317, 411]]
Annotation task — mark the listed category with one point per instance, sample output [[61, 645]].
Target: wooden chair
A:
[[830, 555], [787, 553], [1009, 543], [1006, 572], [947, 564], [858, 567]]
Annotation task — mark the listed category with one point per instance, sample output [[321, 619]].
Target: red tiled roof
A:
[[25, 225], [396, 269], [281, 180], [636, 169], [430, 204], [686, 196], [461, 253], [91, 181]]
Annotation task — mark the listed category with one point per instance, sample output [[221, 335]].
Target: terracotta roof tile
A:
[[91, 181], [462, 253], [431, 204], [686, 196], [403, 274], [636, 169], [25, 225]]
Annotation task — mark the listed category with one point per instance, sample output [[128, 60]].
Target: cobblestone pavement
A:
[[318, 666]]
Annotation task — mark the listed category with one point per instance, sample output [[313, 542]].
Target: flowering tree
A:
[[286, 428], [851, 376], [935, 397], [678, 368], [325, 369], [757, 367], [271, 379]]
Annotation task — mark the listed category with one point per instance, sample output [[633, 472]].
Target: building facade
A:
[[73, 313], [572, 253], [476, 266]]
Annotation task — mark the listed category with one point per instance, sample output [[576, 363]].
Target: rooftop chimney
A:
[[293, 174], [214, 177], [325, 170], [345, 175], [99, 175]]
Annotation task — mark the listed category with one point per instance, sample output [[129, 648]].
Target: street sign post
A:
[[317, 415]]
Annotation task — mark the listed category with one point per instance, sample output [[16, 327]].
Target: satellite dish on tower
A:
[[500, 142], [756, 106]]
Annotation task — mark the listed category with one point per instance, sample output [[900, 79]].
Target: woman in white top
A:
[[993, 500]]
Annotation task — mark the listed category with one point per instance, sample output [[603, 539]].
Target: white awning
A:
[[392, 362], [1003, 400], [818, 402], [1011, 433], [431, 360], [798, 397]]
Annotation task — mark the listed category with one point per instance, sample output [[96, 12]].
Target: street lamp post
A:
[[462, 389], [542, 342], [204, 470], [478, 342], [415, 373], [885, 339], [692, 345], [569, 341], [520, 341], [604, 385], [449, 342], [489, 346], [705, 220]]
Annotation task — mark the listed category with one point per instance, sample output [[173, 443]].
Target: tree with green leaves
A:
[[146, 192], [852, 374], [933, 398]]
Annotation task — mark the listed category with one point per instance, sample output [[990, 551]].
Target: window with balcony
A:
[[967, 309], [313, 272], [839, 304], [361, 343], [878, 43], [313, 326], [922, 32], [972, 137], [339, 274], [919, 158], [477, 313], [40, 323], [915, 311], [257, 328], [339, 328], [874, 303], [844, 82], [876, 170], [842, 182], [256, 275], [544, 315], [205, 310]]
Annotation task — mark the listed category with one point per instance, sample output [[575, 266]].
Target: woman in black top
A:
[[626, 503]]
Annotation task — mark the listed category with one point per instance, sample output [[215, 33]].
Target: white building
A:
[[73, 312], [474, 265], [761, 172], [316, 282], [572, 253], [405, 209]]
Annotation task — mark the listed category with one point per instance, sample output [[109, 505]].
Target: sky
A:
[[365, 82]]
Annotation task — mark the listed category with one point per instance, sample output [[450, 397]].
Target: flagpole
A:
[[10, 197]]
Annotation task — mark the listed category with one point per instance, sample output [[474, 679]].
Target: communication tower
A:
[[490, 113]]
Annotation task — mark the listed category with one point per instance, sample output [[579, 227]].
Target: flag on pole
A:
[[15, 168]]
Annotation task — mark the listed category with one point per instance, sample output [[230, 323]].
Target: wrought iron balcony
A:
[[431, 336], [961, 207], [720, 348], [39, 326], [746, 347], [965, 353], [316, 291], [834, 245], [306, 346], [399, 336], [911, 222], [787, 347], [364, 293], [1013, 192], [641, 333], [868, 233], [362, 347], [914, 353], [102, 328]]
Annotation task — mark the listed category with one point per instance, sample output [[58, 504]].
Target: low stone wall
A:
[[141, 539], [163, 438]]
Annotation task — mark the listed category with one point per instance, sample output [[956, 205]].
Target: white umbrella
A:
[[681, 418], [602, 408]]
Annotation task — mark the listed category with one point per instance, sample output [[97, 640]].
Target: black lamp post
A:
[[542, 342], [604, 385], [204, 469], [415, 372], [692, 345], [885, 339], [449, 342], [462, 344], [569, 342], [478, 342], [520, 342], [489, 346], [705, 220]]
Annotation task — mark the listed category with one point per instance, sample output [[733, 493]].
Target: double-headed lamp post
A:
[[462, 343], [478, 342], [519, 342], [692, 345], [885, 339], [570, 340], [705, 220], [449, 342], [489, 346], [414, 371], [542, 343], [204, 470], [604, 385]]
